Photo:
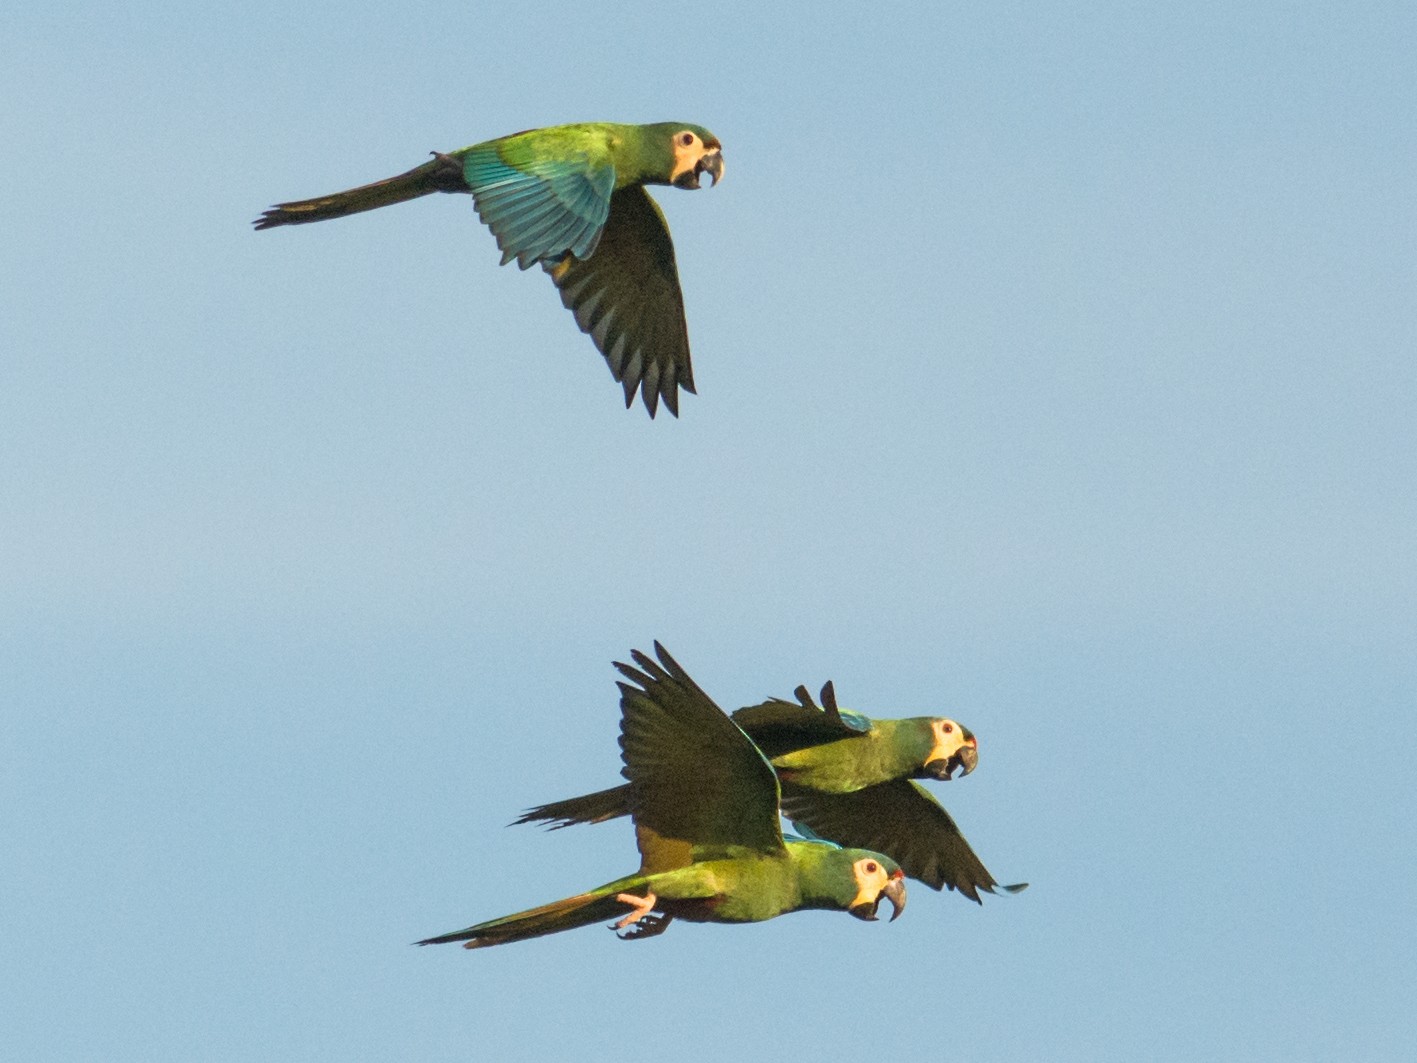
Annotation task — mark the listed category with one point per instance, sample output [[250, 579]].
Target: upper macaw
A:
[[848, 779], [705, 806], [572, 198]]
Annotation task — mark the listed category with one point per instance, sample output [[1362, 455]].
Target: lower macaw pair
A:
[[705, 792], [850, 779]]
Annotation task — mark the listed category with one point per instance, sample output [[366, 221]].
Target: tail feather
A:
[[582, 910], [589, 808], [443, 174]]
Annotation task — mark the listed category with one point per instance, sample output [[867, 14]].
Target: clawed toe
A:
[[648, 927]]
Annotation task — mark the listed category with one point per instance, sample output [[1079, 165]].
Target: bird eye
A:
[[870, 867], [948, 728], [686, 139]]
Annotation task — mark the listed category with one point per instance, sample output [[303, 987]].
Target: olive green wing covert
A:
[[902, 820], [695, 777], [626, 297]]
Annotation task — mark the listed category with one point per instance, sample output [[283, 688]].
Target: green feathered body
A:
[[639, 154], [747, 888], [891, 749]]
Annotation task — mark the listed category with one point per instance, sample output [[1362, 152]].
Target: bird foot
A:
[[648, 927], [448, 175], [641, 921]]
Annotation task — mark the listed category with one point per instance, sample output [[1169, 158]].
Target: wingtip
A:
[[669, 394], [670, 664]]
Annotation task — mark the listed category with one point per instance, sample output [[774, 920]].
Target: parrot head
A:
[[876, 877], [696, 151], [954, 748]]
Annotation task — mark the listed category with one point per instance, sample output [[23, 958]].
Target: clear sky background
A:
[[1056, 372]]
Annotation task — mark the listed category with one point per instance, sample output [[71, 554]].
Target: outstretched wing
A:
[[699, 787], [626, 296], [902, 820]]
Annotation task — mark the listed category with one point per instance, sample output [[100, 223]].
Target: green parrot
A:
[[573, 199], [705, 807], [850, 780]]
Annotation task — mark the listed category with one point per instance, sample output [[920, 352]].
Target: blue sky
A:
[[1055, 372]]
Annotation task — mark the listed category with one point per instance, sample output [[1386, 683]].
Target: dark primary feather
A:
[[694, 775], [902, 820], [626, 296]]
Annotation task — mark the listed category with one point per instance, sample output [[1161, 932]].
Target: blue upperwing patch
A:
[[542, 211]]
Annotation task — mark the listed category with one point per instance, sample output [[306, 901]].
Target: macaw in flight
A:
[[572, 198]]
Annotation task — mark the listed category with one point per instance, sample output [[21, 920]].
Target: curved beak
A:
[[965, 760], [893, 891], [712, 164]]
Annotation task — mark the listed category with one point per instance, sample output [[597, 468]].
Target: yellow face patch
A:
[[949, 739], [871, 878], [688, 150]]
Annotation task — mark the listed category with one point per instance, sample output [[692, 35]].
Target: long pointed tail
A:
[[589, 808], [443, 174], [594, 907]]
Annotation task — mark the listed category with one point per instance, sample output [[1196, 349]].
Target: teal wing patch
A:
[[695, 777], [627, 298], [902, 820], [541, 209]]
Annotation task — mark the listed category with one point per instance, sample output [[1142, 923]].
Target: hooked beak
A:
[[893, 891], [711, 163], [965, 759]]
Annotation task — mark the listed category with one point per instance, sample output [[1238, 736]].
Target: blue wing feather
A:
[[540, 211]]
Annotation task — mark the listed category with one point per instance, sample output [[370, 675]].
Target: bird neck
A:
[[908, 741], [644, 154], [824, 876]]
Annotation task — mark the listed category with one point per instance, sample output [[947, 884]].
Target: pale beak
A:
[[895, 893], [712, 164]]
